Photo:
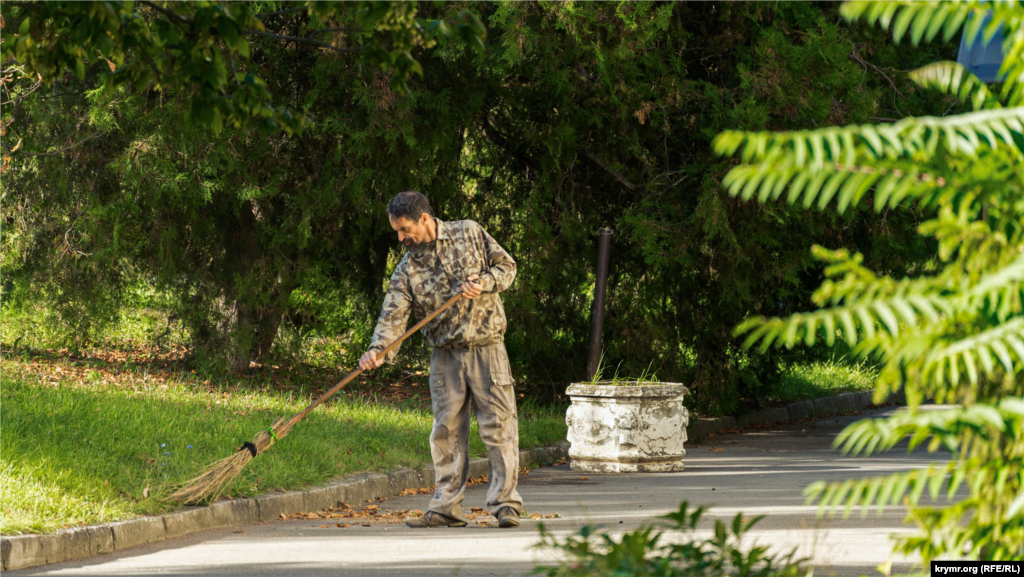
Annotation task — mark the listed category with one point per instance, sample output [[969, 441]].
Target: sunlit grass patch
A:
[[819, 379], [31, 504]]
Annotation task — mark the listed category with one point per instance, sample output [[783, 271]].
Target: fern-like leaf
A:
[[865, 306], [988, 348], [924, 20], [983, 420], [952, 78], [878, 492], [965, 133]]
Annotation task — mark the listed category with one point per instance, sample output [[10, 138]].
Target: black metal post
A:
[[604, 241]]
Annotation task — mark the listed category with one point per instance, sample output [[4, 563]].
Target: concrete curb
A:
[[21, 551], [701, 428]]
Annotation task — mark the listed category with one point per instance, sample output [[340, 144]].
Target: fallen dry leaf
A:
[[419, 491], [477, 481], [716, 450]]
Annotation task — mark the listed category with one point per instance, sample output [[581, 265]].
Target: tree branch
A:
[[300, 39], [856, 57], [339, 29], [608, 169], [173, 17], [66, 148]]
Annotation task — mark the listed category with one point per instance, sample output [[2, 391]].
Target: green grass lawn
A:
[[822, 379], [87, 442]]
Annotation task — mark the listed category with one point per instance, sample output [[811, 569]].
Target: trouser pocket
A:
[[502, 396]]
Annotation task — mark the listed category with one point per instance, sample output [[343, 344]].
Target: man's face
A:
[[411, 233]]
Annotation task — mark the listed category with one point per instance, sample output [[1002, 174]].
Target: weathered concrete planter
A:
[[623, 428]]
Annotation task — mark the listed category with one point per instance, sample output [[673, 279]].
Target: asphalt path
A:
[[758, 472]]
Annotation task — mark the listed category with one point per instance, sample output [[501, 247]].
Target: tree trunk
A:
[[244, 335], [239, 338], [266, 330], [253, 295]]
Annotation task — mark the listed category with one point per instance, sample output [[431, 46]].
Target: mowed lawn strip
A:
[[81, 451]]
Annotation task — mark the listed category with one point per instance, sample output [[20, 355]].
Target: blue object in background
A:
[[982, 60]]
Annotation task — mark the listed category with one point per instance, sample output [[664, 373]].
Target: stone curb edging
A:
[[22, 551], [701, 428]]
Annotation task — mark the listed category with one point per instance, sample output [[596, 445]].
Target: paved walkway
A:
[[757, 472]]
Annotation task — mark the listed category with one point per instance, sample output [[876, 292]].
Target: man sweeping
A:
[[468, 364]]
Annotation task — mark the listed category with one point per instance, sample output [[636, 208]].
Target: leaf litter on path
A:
[[344, 514], [372, 514]]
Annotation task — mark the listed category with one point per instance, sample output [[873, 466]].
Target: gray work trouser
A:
[[480, 375]]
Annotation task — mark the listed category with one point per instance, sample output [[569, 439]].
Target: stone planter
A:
[[623, 428]]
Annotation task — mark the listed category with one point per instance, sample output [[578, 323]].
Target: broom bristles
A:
[[211, 483]]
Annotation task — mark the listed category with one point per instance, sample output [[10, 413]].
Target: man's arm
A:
[[394, 316], [501, 269]]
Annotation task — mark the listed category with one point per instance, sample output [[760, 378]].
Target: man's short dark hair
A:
[[410, 205]]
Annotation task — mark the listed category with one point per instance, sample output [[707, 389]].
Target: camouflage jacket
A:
[[430, 274]]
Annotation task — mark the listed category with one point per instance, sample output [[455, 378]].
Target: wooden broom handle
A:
[[386, 350]]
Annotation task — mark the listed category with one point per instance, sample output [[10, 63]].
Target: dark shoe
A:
[[507, 517], [434, 519]]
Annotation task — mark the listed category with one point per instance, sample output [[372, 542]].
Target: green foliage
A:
[[954, 333], [594, 552], [924, 20], [192, 47], [989, 522], [217, 223]]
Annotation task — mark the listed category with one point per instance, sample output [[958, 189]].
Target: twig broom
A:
[[212, 481]]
